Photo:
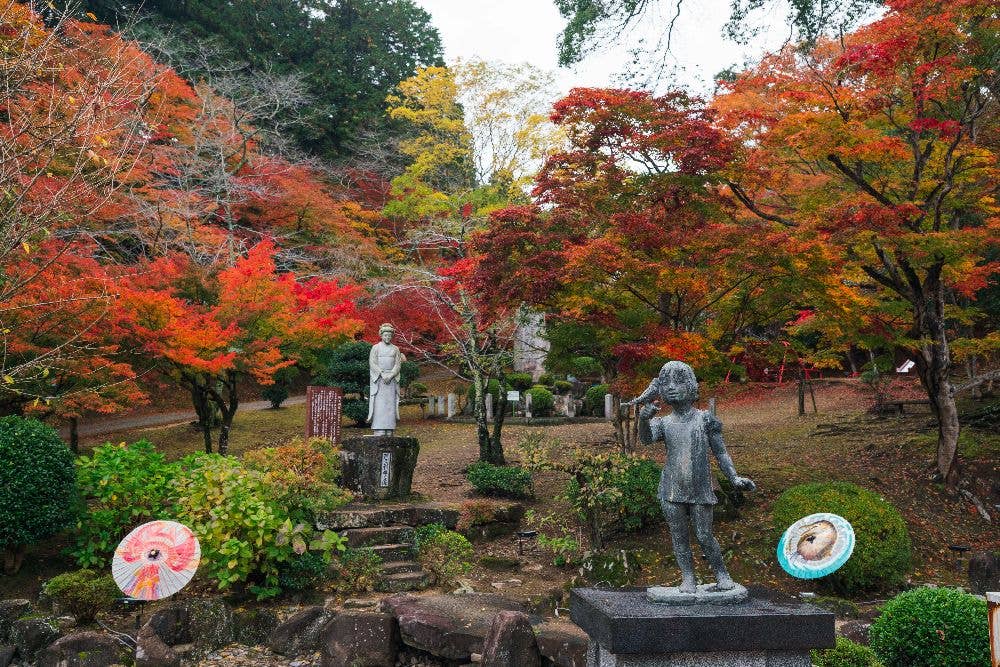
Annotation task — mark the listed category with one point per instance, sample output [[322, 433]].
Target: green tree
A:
[[351, 53]]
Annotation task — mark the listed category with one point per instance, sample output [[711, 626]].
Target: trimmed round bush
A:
[[503, 481], [83, 593], [276, 394], [882, 551], [38, 495], [932, 627], [444, 553], [520, 381], [845, 654], [562, 387], [593, 400], [542, 402]]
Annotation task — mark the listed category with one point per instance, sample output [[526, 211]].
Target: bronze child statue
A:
[[685, 491]]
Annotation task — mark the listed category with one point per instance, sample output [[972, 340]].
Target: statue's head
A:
[[386, 332], [677, 382]]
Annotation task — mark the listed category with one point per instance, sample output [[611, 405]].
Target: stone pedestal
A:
[[379, 467], [627, 630]]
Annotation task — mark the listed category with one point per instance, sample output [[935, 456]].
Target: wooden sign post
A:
[[324, 407]]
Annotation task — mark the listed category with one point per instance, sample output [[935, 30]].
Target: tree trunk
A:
[[228, 402], [202, 408], [933, 361], [479, 412], [495, 453], [74, 435], [13, 558], [802, 392]]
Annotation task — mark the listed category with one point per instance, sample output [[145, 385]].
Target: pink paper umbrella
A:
[[156, 560]]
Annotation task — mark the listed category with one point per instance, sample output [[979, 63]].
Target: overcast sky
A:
[[527, 30]]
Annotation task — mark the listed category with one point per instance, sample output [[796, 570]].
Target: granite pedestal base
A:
[[379, 467], [627, 630]]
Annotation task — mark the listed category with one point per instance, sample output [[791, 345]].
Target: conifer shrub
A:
[[846, 654], [38, 493], [882, 551], [500, 481], [83, 593], [932, 627], [542, 401]]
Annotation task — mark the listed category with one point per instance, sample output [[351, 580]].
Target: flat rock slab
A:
[[704, 595], [625, 621], [358, 515]]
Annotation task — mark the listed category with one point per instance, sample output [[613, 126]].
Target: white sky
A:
[[527, 30]]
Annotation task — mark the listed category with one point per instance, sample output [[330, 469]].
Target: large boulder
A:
[[511, 642], [984, 572], [31, 635], [563, 643], [210, 622], [253, 626], [360, 639], [84, 649], [151, 651], [171, 624], [10, 611], [300, 633], [448, 626]]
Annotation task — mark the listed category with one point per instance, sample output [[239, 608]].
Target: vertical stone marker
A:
[[609, 403], [441, 406], [324, 406], [452, 405]]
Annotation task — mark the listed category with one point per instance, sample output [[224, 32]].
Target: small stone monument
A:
[[689, 625], [380, 466]]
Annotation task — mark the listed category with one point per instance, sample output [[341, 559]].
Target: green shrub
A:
[[612, 492], [408, 372], [276, 393], [520, 381], [346, 366], [243, 521], [444, 553], [427, 532], [124, 486], [417, 389], [502, 481], [302, 572], [845, 654], [358, 570], [83, 593], [562, 387], [565, 548], [932, 627], [593, 400], [38, 493], [882, 550], [547, 379], [303, 476], [542, 401]]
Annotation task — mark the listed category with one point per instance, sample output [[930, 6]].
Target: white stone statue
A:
[[384, 363]]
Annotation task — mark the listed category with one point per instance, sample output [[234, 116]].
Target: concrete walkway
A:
[[106, 426]]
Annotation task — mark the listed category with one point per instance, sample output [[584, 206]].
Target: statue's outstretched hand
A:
[[647, 411], [744, 484]]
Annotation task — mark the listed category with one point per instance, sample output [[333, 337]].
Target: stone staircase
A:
[[387, 529]]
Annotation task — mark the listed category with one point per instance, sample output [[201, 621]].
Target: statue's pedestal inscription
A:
[[626, 629], [379, 467]]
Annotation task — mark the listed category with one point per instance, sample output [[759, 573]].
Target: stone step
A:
[[397, 566], [404, 581], [393, 552], [366, 537], [357, 515]]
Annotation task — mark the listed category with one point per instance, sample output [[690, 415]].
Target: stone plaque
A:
[[323, 412], [383, 478]]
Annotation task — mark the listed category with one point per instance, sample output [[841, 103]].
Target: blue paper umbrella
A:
[[816, 545]]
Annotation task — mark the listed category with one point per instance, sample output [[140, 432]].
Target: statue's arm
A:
[[393, 373], [722, 455], [649, 430]]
